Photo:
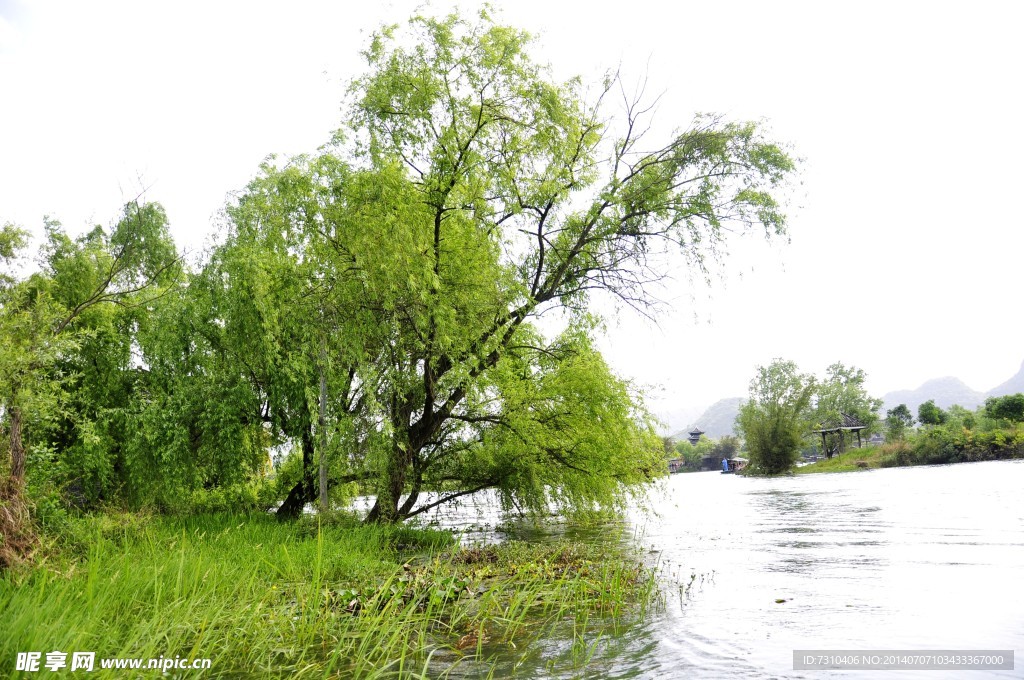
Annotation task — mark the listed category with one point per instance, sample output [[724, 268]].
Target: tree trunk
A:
[[413, 496], [17, 446], [308, 479], [385, 508], [293, 504], [322, 427], [394, 484], [304, 491]]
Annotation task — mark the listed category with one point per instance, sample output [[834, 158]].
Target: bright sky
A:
[[905, 243]]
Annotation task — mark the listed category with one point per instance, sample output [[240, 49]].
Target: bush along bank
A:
[[934, 446]]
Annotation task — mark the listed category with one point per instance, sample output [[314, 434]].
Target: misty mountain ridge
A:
[[1011, 386], [718, 420], [949, 391], [945, 392]]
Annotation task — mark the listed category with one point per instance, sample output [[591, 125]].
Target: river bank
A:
[[260, 597], [749, 569], [939, 446]]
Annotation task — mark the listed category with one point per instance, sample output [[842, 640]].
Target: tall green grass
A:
[[262, 598]]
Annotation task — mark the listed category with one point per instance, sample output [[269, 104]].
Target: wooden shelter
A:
[[836, 432]]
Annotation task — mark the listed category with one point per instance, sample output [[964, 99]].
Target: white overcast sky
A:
[[906, 234]]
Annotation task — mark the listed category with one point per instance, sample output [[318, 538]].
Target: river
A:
[[922, 558]]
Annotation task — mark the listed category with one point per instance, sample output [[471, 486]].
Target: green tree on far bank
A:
[[1009, 408], [930, 414], [897, 421], [726, 446], [775, 418], [839, 396], [961, 417], [693, 454], [786, 407]]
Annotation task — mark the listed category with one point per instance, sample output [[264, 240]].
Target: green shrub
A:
[[955, 443], [895, 454], [248, 497]]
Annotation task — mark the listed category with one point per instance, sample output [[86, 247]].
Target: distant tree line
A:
[[786, 406], [993, 431], [788, 410]]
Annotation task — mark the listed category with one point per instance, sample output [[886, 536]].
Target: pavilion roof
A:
[[845, 422]]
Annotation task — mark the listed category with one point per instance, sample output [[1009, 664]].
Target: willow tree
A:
[[66, 331], [467, 194], [841, 395], [777, 416], [287, 314]]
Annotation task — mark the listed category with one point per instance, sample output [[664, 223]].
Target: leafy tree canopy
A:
[[841, 393], [376, 304], [466, 194], [839, 397], [897, 420], [786, 406], [776, 417], [930, 414], [67, 330], [1009, 407]]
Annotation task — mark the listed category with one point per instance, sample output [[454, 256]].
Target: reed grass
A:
[[267, 599]]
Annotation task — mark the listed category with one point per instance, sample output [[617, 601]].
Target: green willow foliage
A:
[[776, 417], [466, 195], [68, 331], [400, 272], [788, 409]]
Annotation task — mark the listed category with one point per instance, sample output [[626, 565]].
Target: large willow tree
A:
[[400, 272]]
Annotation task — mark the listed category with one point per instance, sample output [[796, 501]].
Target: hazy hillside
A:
[[945, 391], [676, 419], [1011, 386], [717, 421]]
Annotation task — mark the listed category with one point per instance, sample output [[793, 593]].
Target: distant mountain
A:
[[717, 421], [945, 391], [675, 419], [1011, 386]]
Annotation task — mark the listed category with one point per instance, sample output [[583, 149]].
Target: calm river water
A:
[[921, 558]]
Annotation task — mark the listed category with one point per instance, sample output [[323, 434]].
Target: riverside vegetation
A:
[[371, 311], [789, 412], [994, 431], [310, 599], [370, 314], [931, 447]]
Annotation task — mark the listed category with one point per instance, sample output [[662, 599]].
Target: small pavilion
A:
[[836, 431]]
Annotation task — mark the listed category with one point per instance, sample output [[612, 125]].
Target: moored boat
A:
[[734, 465]]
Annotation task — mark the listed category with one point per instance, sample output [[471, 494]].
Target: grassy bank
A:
[[857, 459], [263, 598], [938, 446]]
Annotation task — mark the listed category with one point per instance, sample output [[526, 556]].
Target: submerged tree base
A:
[[259, 597]]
